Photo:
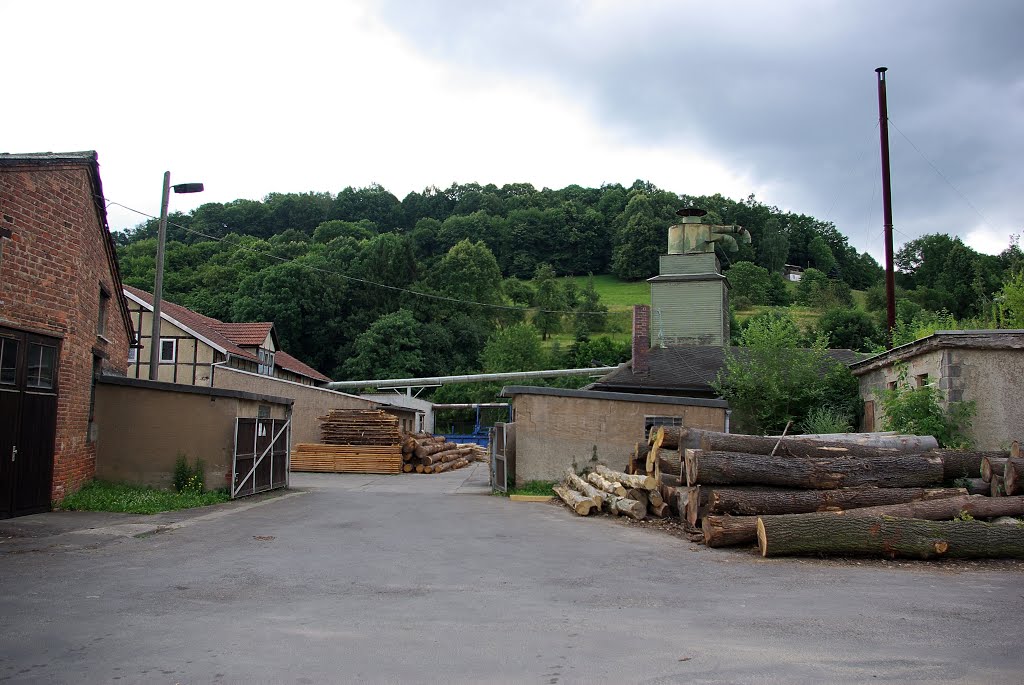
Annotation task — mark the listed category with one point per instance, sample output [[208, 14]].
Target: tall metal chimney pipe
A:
[[890, 275]]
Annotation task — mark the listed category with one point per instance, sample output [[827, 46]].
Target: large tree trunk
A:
[[963, 463], [997, 489], [722, 531], [1013, 476], [887, 537], [670, 439], [577, 502], [753, 500], [910, 444], [670, 463], [622, 506], [991, 466], [822, 473], [978, 486], [606, 485], [445, 455], [794, 446], [433, 448], [633, 481], [577, 483]]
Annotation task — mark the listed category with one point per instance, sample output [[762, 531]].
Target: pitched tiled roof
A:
[[286, 361], [229, 336], [685, 368], [245, 334]]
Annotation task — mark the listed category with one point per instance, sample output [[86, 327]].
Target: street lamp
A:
[[158, 291]]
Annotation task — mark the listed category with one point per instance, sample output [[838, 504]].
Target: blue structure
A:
[[480, 434]]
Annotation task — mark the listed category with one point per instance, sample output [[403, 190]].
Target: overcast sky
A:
[[778, 99]]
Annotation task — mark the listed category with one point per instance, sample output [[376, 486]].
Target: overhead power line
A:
[[363, 281]]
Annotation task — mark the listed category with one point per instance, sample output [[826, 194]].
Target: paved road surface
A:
[[407, 579]]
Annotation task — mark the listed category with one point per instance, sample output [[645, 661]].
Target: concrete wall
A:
[[310, 402], [553, 432], [142, 429], [993, 379]]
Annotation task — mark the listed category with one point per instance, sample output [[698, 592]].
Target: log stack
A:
[[352, 441], [797, 496], [616, 492], [426, 453]]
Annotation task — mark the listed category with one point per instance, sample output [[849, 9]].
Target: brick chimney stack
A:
[[641, 338]]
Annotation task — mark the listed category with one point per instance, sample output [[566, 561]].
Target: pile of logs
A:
[[352, 441], [618, 493], [426, 453], [891, 496]]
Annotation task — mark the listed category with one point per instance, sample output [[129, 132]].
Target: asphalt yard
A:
[[414, 578]]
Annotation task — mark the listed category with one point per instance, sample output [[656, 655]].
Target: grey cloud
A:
[[785, 90]]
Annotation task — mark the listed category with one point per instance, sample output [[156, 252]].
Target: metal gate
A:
[[503, 455], [28, 421], [262, 452]]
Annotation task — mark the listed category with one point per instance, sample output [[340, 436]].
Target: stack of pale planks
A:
[[426, 453], [353, 441], [848, 495]]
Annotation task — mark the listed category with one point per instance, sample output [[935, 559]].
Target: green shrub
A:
[[826, 420], [188, 478], [918, 411]]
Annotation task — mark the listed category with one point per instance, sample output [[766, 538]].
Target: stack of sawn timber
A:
[[426, 453], [352, 441], [833, 496], [622, 494]]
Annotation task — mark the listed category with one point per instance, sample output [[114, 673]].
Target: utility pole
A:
[[158, 289], [890, 275]]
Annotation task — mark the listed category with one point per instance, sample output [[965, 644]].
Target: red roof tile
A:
[[245, 334]]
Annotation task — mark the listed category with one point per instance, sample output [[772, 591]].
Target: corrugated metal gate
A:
[[262, 451]]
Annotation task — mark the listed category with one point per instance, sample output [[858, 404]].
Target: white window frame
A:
[[133, 350], [174, 351]]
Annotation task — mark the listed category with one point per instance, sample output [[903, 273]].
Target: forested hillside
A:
[[363, 285]]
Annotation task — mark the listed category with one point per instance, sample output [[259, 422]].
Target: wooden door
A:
[[28, 421]]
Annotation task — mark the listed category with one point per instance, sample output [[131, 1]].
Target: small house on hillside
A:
[[63, 323], [986, 367]]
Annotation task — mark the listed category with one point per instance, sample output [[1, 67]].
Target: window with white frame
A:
[[168, 350], [133, 349]]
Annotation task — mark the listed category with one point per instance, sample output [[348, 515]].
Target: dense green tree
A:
[[592, 314], [513, 348], [468, 272], [518, 292], [771, 380], [850, 329], [821, 255], [773, 252], [752, 284], [374, 203], [550, 299], [389, 348], [640, 232], [336, 228]]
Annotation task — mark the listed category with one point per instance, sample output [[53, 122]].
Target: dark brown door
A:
[[28, 421]]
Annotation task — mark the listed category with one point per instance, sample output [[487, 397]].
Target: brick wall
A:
[[50, 276]]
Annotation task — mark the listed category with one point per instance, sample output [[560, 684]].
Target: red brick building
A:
[[63, 321]]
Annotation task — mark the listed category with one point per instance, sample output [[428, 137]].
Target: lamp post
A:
[[158, 290]]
